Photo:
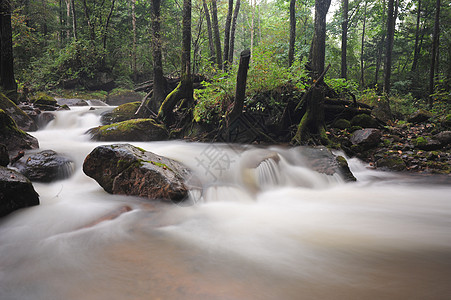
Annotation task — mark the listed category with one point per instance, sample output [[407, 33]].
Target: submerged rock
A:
[[128, 170], [12, 137], [16, 192], [132, 130], [322, 160], [45, 166]]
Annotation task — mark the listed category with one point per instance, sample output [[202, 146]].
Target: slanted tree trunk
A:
[[184, 90], [232, 32], [389, 47], [107, 24], [217, 39], [434, 54], [312, 125], [292, 32], [7, 81], [416, 52], [344, 39], [227, 35], [209, 29]]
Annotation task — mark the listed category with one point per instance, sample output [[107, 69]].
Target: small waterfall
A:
[[268, 174]]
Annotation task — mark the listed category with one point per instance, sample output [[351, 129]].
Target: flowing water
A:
[[260, 226]]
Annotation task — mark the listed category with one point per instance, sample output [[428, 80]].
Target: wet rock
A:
[[131, 130], [101, 81], [45, 102], [364, 121], [4, 156], [71, 102], [12, 137], [22, 119], [126, 169], [443, 137], [16, 192], [419, 116], [45, 166], [393, 163], [322, 160], [121, 113], [366, 138], [120, 97], [426, 143], [446, 121]]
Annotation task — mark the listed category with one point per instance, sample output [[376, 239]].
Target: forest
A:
[[249, 72]]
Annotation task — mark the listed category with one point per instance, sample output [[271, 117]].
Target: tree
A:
[[344, 39], [362, 63], [232, 32], [435, 44], [312, 122], [227, 34], [211, 44], [159, 83], [417, 39], [184, 90], [391, 20], [214, 12], [7, 80], [292, 32]]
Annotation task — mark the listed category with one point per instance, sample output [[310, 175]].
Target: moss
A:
[[364, 120], [420, 141], [341, 124], [8, 125], [44, 99], [386, 142]]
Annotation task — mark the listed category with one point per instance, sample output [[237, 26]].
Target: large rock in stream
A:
[[128, 170], [45, 166], [16, 192], [14, 138], [138, 130]]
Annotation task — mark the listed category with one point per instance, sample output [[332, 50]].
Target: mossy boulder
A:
[[131, 130], [121, 113], [446, 121], [341, 124], [366, 138], [364, 121], [128, 170], [426, 143], [16, 192], [121, 96], [23, 121], [44, 101], [419, 116], [393, 163], [14, 138]]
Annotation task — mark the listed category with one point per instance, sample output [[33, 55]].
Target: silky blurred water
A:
[[260, 225]]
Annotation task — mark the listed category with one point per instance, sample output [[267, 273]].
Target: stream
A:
[[273, 232]]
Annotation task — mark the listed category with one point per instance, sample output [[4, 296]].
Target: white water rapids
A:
[[279, 231]]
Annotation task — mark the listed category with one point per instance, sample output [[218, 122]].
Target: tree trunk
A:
[[92, 32], [435, 45], [107, 24], [344, 40], [362, 63], [227, 35], [416, 52], [292, 32], [389, 47], [7, 80], [134, 68], [380, 48], [252, 2], [216, 33], [74, 20], [240, 85], [184, 90], [312, 123], [159, 83], [232, 32], [209, 29]]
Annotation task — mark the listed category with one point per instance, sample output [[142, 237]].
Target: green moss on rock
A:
[[130, 130], [341, 124], [364, 120], [121, 113]]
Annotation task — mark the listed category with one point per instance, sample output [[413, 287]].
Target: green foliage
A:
[[341, 85]]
